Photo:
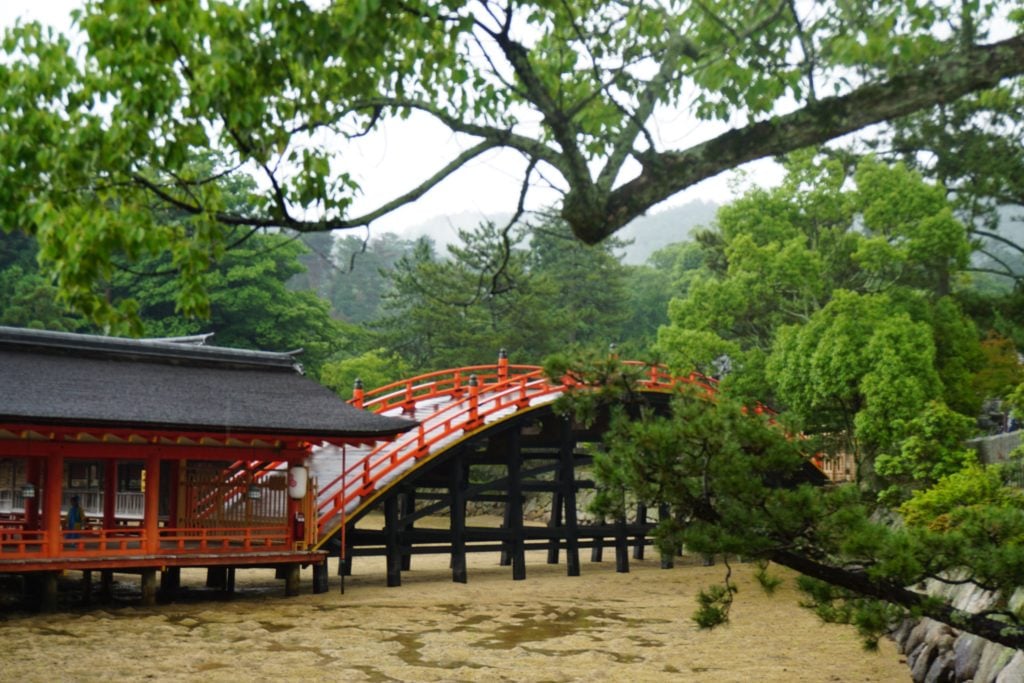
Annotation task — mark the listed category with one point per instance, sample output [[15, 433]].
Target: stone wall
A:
[[996, 448], [937, 653]]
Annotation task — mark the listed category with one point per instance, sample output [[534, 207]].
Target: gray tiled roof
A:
[[88, 380]]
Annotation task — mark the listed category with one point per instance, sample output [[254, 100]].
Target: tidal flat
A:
[[601, 625]]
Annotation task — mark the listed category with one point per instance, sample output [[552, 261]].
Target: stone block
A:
[[942, 668], [993, 660], [926, 655], [1014, 671], [901, 633], [967, 654], [917, 636]]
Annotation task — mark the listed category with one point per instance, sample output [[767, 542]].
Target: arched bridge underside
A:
[[487, 434]]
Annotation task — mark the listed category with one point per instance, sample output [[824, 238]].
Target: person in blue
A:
[[76, 520]]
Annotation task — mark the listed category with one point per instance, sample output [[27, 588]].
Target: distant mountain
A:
[[651, 233], [444, 230], [647, 233]]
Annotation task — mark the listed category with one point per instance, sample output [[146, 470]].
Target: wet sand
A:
[[550, 627]]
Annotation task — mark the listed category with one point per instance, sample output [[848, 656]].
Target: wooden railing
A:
[[18, 544], [223, 539], [442, 384]]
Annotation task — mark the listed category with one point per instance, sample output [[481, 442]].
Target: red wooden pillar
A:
[[177, 467], [109, 493], [151, 516], [52, 493], [33, 472]]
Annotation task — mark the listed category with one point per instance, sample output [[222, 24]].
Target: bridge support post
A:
[[457, 509], [87, 586], [47, 591], [641, 537], [515, 504], [567, 482], [394, 550], [320, 584], [506, 523], [217, 577], [555, 522], [667, 559], [170, 582], [345, 560], [292, 576], [106, 584], [148, 587], [408, 506]]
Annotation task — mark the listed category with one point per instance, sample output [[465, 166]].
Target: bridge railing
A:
[[498, 390], [481, 404], [454, 383]]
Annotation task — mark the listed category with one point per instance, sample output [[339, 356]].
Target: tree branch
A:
[[664, 174], [998, 238], [1002, 632]]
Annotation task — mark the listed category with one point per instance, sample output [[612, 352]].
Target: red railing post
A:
[[523, 401], [357, 393], [502, 365], [474, 403], [409, 405]]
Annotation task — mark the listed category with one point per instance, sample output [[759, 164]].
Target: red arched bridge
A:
[[487, 434]]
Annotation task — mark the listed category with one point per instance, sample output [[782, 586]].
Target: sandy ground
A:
[[550, 627]]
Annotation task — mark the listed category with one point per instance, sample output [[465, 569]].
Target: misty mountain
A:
[[646, 234]]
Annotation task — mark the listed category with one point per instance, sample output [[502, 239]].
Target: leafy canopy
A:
[[100, 146]]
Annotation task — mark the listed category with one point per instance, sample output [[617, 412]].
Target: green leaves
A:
[[166, 106], [827, 295]]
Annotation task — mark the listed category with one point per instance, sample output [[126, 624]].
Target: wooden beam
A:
[[170, 583], [320, 578], [457, 511], [407, 508], [567, 477], [148, 582], [391, 532], [515, 506], [291, 580]]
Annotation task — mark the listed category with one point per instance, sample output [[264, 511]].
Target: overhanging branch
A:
[[1008, 634], [664, 174]]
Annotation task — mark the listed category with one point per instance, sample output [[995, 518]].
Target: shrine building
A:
[[178, 454]]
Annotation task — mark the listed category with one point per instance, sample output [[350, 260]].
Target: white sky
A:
[[386, 166]]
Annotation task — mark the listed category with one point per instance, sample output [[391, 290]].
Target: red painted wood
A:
[[151, 519], [51, 503]]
